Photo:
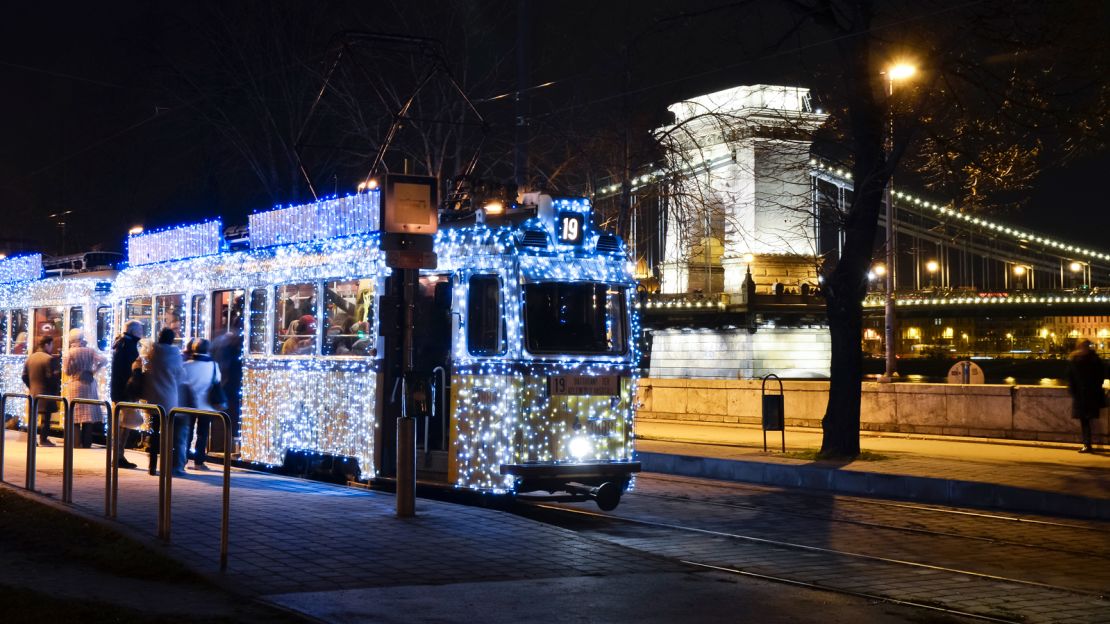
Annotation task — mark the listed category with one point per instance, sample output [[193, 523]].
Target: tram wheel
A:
[[607, 496]]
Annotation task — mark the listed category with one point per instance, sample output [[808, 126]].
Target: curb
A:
[[931, 490]]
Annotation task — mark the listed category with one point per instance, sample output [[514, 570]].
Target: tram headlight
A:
[[581, 447]]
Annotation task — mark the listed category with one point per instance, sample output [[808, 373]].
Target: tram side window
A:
[[48, 322], [103, 327], [197, 316], [348, 317], [139, 309], [295, 319], [227, 312], [171, 315], [20, 337], [484, 333], [77, 317], [3, 332], [258, 322]]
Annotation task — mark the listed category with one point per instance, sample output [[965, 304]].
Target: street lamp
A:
[[898, 71], [1078, 273], [932, 266]]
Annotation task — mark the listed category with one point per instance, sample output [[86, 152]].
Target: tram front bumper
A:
[[551, 476]]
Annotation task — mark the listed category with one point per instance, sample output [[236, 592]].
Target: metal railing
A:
[[32, 433], [3, 415], [187, 411], [166, 428], [165, 443], [109, 450]]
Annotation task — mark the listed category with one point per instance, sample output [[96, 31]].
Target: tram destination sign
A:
[[578, 385]]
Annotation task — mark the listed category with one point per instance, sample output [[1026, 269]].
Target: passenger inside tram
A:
[[349, 307]]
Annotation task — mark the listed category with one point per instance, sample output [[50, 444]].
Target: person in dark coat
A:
[[162, 374], [42, 374], [1085, 376], [125, 350]]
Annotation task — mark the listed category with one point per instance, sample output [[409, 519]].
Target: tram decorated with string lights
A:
[[521, 370]]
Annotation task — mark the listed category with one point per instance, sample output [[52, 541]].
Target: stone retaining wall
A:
[[991, 411]]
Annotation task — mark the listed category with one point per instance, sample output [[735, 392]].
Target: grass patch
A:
[[814, 455], [45, 533]]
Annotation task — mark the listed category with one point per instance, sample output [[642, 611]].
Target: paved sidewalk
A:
[[338, 554], [1032, 477]]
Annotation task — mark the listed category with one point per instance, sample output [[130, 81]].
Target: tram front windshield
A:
[[575, 317]]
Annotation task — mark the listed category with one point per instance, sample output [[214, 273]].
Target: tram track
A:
[[816, 549], [980, 595], [877, 503], [764, 509]]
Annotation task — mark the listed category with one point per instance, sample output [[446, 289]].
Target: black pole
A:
[[523, 67]]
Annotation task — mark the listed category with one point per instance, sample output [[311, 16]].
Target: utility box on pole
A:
[[409, 221]]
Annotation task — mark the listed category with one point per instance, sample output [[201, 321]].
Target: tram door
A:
[[227, 351], [432, 345], [429, 389]]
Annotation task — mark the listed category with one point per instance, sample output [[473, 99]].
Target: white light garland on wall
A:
[[20, 268], [322, 220], [186, 241]]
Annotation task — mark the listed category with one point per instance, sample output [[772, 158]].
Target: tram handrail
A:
[[3, 405], [32, 433], [189, 411], [109, 451], [164, 437]]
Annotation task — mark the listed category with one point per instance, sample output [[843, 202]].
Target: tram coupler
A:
[[607, 495]]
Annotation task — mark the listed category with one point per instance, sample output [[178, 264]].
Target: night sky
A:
[[102, 116]]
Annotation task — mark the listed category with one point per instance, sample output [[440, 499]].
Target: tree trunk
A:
[[842, 415]]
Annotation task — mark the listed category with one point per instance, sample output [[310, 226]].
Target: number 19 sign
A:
[[570, 228]]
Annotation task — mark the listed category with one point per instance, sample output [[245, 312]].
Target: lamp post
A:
[[900, 71]]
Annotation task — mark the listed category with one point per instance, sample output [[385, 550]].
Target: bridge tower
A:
[[740, 239], [746, 202]]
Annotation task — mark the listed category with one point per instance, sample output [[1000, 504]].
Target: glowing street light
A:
[[901, 71], [898, 71], [932, 266], [879, 269], [136, 230], [1019, 270], [1075, 267]]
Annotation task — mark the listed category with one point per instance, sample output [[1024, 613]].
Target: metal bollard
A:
[[67, 441], [3, 411], [109, 441], [225, 520], [406, 467]]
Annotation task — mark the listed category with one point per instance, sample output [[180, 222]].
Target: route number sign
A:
[[570, 228]]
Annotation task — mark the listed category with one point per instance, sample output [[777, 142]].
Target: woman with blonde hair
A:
[[79, 366]]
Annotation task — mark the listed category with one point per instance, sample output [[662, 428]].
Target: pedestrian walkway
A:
[[1019, 476], [339, 554]]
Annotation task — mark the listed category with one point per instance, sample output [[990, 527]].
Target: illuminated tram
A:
[[32, 307], [524, 350]]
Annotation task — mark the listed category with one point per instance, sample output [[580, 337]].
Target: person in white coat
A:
[[201, 373]]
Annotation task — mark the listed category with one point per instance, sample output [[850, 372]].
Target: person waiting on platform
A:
[[125, 351], [201, 373], [1086, 373], [162, 374], [80, 365], [42, 374]]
